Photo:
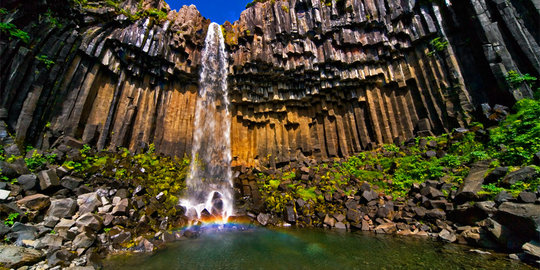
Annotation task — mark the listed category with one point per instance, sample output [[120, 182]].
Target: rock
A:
[[34, 202], [524, 219], [369, 195], [480, 251], [8, 170], [83, 240], [121, 237], [263, 218], [22, 232], [496, 175], [89, 221], [49, 240], [532, 248], [504, 236], [353, 215], [472, 184], [436, 214], [145, 245], [27, 181], [70, 182], [387, 228], [340, 226], [536, 159], [15, 257], [526, 197], [88, 203], [62, 208], [60, 257], [339, 217], [290, 214], [431, 192], [524, 174], [351, 204], [4, 194], [330, 221], [48, 179], [121, 208], [447, 236], [503, 196]]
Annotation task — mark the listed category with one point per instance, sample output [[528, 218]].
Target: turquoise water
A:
[[311, 249]]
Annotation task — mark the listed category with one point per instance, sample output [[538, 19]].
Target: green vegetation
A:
[[14, 32], [10, 220], [45, 60], [437, 45], [38, 161], [515, 79]]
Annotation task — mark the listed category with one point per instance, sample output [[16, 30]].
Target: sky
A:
[[216, 11]]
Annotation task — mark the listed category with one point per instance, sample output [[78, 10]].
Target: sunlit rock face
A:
[[306, 80]]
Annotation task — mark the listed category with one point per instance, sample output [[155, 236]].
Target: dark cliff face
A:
[[307, 79]]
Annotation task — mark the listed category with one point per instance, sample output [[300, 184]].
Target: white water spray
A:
[[209, 183]]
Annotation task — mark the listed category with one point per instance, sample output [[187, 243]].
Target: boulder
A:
[[532, 248], [70, 182], [536, 159], [330, 221], [353, 215], [34, 202], [472, 184], [526, 197], [48, 179], [145, 245], [387, 228], [83, 240], [431, 192], [290, 214], [89, 221], [496, 175], [503, 196], [4, 194], [88, 203], [15, 257], [523, 219], [27, 181], [61, 257], [62, 208], [50, 241], [8, 170], [447, 236], [340, 226], [263, 218], [523, 174], [369, 195], [121, 208]]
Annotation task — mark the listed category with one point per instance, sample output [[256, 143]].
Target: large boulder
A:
[[523, 174], [15, 257], [523, 219], [472, 184], [27, 181]]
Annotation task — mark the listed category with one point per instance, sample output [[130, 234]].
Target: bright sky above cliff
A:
[[217, 11]]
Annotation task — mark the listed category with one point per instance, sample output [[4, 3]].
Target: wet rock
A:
[[27, 181], [88, 203], [146, 246], [89, 221], [523, 174], [339, 217], [387, 228], [121, 237], [14, 257], [48, 179], [353, 215], [526, 197], [263, 218], [34, 202]]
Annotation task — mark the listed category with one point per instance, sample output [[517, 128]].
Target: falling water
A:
[[209, 184]]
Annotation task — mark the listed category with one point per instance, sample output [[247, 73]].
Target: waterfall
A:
[[209, 183]]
